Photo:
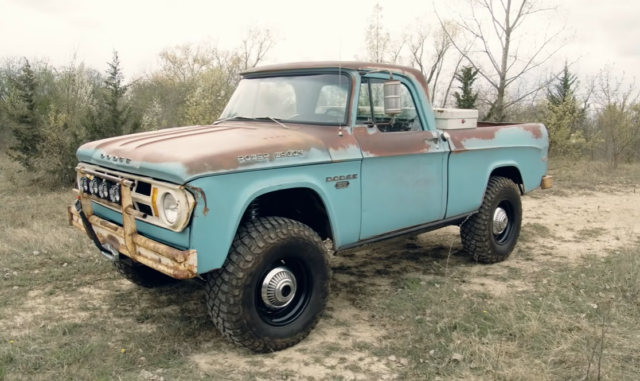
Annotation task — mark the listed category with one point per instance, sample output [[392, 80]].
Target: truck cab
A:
[[304, 153]]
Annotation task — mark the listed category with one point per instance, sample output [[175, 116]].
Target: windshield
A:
[[316, 99]]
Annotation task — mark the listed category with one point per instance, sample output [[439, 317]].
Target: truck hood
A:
[[182, 154]]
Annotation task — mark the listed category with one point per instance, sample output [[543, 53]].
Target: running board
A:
[[418, 229]]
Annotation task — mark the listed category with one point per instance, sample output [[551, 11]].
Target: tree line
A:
[[486, 57], [481, 58], [47, 112]]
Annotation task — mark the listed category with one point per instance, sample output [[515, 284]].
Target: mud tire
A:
[[233, 292], [477, 234], [142, 275]]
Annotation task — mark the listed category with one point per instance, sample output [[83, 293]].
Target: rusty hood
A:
[[182, 154]]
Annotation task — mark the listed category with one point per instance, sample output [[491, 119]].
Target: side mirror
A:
[[392, 100]]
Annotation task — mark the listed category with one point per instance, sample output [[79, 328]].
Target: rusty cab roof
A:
[[412, 73]]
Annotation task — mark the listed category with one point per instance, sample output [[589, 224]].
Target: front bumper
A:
[[125, 239]]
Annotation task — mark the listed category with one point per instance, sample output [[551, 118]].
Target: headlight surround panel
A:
[[147, 195]]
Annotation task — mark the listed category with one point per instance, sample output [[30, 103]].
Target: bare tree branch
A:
[[509, 66]]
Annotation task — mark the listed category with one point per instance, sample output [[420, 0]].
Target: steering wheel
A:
[[337, 112]]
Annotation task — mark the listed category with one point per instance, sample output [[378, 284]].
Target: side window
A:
[[407, 120]]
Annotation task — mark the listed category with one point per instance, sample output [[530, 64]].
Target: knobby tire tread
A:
[[224, 287], [473, 232]]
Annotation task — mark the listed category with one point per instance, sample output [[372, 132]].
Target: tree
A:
[[499, 45], [617, 117], [112, 115], [563, 115], [467, 76], [195, 81], [256, 44], [27, 124], [379, 46], [563, 90], [431, 65]]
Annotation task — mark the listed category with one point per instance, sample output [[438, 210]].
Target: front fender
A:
[[223, 199]]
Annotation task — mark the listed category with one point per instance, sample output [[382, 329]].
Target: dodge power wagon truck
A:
[[303, 153]]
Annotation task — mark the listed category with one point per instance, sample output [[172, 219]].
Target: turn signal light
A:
[[154, 203]]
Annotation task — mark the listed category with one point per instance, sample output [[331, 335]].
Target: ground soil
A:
[[555, 229], [558, 228]]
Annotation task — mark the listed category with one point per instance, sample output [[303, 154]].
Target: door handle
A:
[[435, 139]]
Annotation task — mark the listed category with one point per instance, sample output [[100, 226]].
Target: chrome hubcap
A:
[[278, 288], [500, 221]]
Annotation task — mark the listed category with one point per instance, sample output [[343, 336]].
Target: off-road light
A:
[[84, 184], [114, 194], [103, 189], [93, 186]]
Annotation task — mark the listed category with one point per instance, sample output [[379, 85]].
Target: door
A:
[[403, 173]]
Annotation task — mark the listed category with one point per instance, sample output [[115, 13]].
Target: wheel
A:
[[490, 235], [143, 275], [273, 286]]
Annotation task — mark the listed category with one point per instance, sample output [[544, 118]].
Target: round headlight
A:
[[114, 194], [170, 208], [93, 186]]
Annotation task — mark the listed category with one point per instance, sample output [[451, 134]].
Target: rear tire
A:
[[273, 286], [142, 275], [490, 235]]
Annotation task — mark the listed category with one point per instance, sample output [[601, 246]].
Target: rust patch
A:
[[413, 74], [217, 148], [170, 261], [196, 191], [111, 240], [330, 136], [488, 131], [373, 142]]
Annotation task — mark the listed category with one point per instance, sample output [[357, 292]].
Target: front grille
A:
[[143, 188], [146, 209]]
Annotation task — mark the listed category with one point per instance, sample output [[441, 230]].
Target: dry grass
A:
[[66, 315], [588, 176], [548, 333]]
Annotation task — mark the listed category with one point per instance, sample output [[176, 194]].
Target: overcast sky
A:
[[605, 31]]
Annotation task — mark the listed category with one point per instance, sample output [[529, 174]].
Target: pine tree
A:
[[467, 76], [112, 115], [563, 115], [27, 128], [563, 90]]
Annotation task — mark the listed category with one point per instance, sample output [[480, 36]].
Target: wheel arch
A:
[[511, 171], [215, 224], [304, 204]]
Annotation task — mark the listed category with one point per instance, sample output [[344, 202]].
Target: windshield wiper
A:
[[271, 118], [249, 118], [232, 117]]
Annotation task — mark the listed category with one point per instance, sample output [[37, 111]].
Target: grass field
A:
[[565, 306]]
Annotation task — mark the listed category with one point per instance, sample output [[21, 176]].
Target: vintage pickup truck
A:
[[347, 153]]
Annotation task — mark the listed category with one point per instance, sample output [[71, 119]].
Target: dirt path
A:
[[555, 228]]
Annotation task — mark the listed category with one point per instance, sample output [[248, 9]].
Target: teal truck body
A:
[[346, 151]]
